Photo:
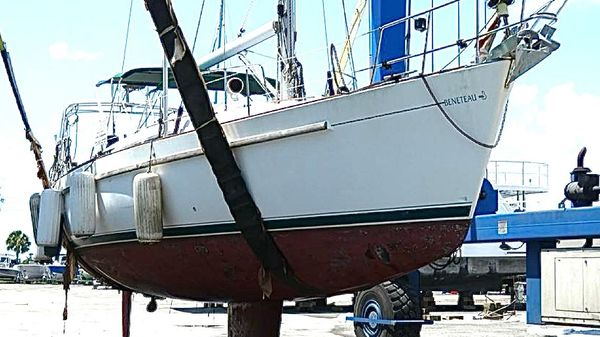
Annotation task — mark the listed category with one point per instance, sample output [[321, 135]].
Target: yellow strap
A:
[[1, 43]]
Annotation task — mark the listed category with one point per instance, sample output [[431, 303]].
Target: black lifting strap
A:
[[195, 97]]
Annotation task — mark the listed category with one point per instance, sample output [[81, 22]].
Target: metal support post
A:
[[414, 284], [534, 284]]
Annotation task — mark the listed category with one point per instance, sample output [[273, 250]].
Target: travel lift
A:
[[539, 230]]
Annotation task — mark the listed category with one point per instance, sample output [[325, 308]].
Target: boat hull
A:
[[378, 169], [222, 267], [9, 274]]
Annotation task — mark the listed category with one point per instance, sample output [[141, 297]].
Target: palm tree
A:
[[18, 242]]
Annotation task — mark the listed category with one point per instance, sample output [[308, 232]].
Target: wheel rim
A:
[[371, 310]]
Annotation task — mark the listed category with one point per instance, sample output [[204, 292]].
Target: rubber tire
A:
[[395, 303]]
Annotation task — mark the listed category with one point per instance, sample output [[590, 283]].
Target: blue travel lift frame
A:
[[388, 321], [539, 230]]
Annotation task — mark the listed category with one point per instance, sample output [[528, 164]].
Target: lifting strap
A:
[[36, 148], [242, 207]]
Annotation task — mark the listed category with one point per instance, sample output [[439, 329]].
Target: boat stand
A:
[[254, 319], [126, 312]]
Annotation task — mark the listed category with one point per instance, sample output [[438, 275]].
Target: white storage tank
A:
[[82, 204], [571, 286], [51, 205], [147, 207]]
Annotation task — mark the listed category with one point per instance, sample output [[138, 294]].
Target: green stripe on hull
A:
[[300, 223]]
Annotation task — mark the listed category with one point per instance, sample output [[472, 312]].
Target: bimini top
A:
[[152, 77]]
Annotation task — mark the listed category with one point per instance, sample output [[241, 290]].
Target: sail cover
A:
[[215, 80]]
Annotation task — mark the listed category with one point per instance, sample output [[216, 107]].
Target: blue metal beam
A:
[[539, 230], [392, 44], [375, 321], [570, 223]]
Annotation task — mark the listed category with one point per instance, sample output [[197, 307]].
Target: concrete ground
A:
[[36, 310]]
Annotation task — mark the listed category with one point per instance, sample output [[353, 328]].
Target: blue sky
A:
[[61, 48]]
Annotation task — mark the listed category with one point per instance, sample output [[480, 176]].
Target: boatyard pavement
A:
[[36, 310]]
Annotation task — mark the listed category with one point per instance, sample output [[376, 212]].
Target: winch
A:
[[584, 188]]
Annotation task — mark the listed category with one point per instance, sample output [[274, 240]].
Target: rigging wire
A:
[[432, 37], [219, 40], [242, 27], [261, 54], [326, 35], [352, 68], [180, 109], [198, 25], [127, 35], [219, 34]]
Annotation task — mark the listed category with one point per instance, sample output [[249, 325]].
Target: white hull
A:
[[388, 148], [9, 273]]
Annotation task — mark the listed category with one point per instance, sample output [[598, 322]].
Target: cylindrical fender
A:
[[51, 204], [147, 207], [82, 204], [34, 208]]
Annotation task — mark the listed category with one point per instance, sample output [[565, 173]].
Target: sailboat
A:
[[353, 188]]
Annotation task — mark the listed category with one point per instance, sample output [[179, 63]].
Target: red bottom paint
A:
[[223, 268]]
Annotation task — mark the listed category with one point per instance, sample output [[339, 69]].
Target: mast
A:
[[165, 97], [236, 194], [292, 85]]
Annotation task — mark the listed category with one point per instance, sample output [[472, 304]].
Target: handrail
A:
[[536, 16], [406, 18], [514, 175], [518, 162]]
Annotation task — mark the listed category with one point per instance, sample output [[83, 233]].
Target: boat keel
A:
[[254, 319]]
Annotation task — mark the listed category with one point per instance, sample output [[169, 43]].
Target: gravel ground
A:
[[36, 310]]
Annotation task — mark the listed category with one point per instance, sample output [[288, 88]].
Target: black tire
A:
[[388, 300]]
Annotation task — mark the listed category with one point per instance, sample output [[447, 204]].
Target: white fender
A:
[[34, 209], [147, 207], [82, 204], [51, 204]]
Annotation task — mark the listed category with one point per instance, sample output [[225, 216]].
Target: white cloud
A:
[[532, 6], [588, 2], [552, 127], [523, 94], [62, 51]]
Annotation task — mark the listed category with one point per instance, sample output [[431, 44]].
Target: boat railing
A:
[[518, 176], [150, 108], [110, 107], [430, 50]]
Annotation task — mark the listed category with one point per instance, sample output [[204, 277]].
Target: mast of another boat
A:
[[165, 98], [292, 85]]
